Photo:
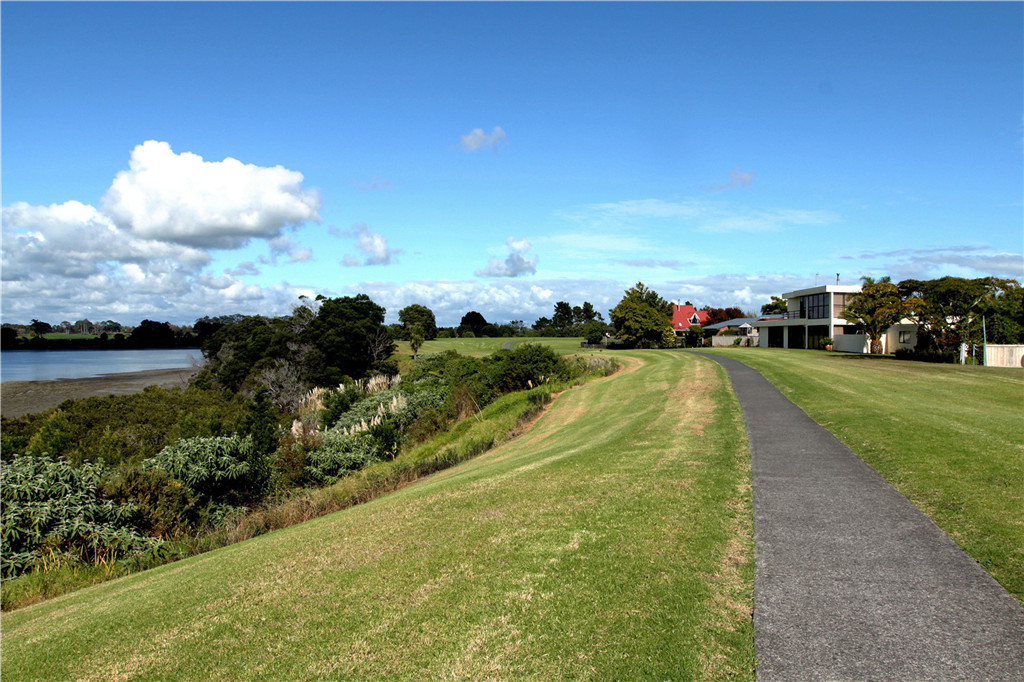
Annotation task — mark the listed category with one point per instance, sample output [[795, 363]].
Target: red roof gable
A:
[[685, 316]]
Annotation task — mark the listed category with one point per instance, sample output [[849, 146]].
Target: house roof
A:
[[685, 316], [728, 324]]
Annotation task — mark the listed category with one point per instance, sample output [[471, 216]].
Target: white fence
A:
[[1004, 355], [851, 343]]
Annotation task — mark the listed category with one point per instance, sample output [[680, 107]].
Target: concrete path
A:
[[852, 581]]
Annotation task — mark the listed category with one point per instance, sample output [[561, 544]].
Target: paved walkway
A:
[[852, 581]]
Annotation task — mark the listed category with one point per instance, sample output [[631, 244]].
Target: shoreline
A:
[[18, 398]]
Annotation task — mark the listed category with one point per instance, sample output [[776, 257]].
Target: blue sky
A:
[[172, 160]]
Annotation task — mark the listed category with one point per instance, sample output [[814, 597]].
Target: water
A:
[[38, 365]]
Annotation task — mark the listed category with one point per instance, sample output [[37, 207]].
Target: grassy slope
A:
[[485, 346], [948, 437], [612, 541]]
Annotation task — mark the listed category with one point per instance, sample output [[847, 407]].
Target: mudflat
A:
[[25, 397]]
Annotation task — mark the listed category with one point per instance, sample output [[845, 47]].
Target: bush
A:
[[525, 366], [337, 455], [225, 469], [54, 513]]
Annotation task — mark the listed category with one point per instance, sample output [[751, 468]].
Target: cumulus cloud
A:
[[373, 245], [477, 139], [144, 252], [514, 265], [75, 240], [208, 204], [736, 179]]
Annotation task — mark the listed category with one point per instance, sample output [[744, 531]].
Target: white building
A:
[[815, 314]]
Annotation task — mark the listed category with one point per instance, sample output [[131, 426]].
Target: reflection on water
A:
[[39, 365]]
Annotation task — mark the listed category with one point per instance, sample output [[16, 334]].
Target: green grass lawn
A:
[[946, 436], [482, 346], [613, 540]]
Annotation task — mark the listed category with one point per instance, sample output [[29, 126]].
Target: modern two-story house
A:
[[815, 314]]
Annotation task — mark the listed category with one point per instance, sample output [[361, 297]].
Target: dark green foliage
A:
[[338, 402], [344, 332], [127, 428], [151, 334], [222, 470], [421, 316], [953, 309], [525, 366], [386, 439], [261, 421], [472, 322], [593, 333], [642, 319], [8, 337], [777, 306], [56, 513], [339, 454], [163, 507]]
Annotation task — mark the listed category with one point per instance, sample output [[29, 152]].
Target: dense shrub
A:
[[337, 455], [127, 428], [525, 366], [162, 506], [55, 513], [221, 470]]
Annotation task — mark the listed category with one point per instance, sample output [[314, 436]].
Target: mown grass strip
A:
[[479, 347], [611, 541], [948, 437]]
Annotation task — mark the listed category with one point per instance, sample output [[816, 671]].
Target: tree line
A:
[[948, 311]]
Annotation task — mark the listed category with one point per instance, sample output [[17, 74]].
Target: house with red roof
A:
[[684, 316]]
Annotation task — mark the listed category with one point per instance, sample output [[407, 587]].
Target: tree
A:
[[350, 336], [1004, 315], [542, 326], [952, 306], [415, 339], [39, 327], [473, 321], [588, 314], [9, 338], [877, 307], [152, 334], [777, 306], [420, 316], [643, 318], [562, 318], [716, 315]]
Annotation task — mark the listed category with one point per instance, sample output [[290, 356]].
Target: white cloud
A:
[[373, 245], [736, 179], [703, 215], [478, 139], [219, 204], [144, 253], [75, 240], [958, 261], [514, 265]]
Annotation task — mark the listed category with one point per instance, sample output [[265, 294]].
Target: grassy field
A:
[[479, 347], [948, 437], [611, 541]]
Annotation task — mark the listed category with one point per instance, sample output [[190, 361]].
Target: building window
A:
[[906, 337], [814, 307]]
